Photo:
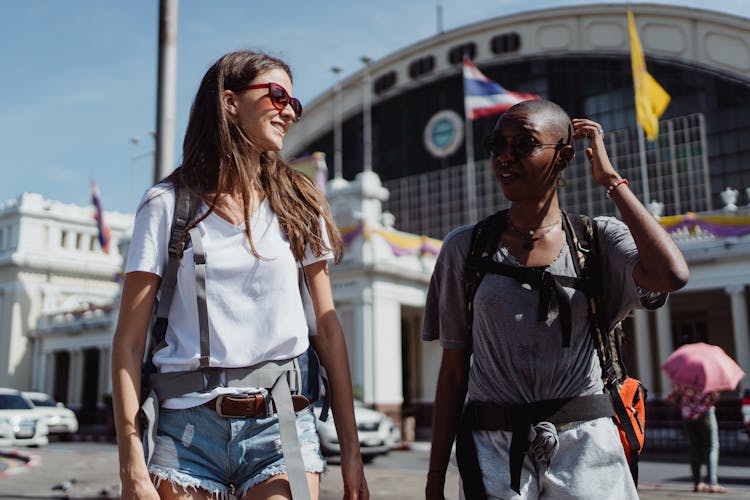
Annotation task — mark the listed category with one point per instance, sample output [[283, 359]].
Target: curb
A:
[[29, 460]]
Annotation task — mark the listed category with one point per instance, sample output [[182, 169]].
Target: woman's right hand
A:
[[140, 487], [435, 489]]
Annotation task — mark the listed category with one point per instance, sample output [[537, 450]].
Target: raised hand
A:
[[603, 171]]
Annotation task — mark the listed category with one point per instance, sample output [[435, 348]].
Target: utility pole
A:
[[167, 78]]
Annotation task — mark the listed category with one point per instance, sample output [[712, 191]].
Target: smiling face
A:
[[255, 113], [529, 152]]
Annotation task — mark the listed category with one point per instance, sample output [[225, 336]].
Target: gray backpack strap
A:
[[173, 384], [290, 447], [185, 208], [199, 259]]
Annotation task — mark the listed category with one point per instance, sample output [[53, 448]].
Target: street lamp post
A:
[[337, 112], [367, 114], [135, 141]]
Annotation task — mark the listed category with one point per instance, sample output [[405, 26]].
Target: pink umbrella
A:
[[703, 366]]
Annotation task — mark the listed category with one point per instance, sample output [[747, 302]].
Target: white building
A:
[[56, 294]]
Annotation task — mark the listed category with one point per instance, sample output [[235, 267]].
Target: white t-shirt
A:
[[254, 306]]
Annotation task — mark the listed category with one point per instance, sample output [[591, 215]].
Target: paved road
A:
[[89, 470]]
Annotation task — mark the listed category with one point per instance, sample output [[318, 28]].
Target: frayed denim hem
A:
[[275, 471], [185, 482]]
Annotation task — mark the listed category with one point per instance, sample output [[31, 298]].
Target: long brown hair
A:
[[216, 160]]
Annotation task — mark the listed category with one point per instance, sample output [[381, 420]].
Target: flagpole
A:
[[644, 167], [471, 183]]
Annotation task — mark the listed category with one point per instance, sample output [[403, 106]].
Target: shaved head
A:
[[548, 115]]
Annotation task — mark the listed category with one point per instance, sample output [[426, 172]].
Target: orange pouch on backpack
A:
[[633, 397]]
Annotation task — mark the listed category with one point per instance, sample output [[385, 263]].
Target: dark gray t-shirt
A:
[[517, 359]]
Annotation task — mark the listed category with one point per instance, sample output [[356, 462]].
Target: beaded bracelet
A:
[[614, 186]]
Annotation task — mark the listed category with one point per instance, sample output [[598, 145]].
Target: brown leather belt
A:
[[250, 406]]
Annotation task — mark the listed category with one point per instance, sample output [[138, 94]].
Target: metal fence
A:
[[664, 430], [677, 174]]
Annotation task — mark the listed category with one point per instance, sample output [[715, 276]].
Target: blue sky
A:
[[79, 77]]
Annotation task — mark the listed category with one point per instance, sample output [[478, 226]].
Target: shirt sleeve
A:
[[148, 244], [445, 307], [619, 255], [310, 256]]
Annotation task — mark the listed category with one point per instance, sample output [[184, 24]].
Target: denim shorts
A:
[[197, 448]]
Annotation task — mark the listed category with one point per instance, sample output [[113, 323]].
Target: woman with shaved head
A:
[[520, 379]]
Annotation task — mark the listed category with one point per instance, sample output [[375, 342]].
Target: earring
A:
[[561, 183]]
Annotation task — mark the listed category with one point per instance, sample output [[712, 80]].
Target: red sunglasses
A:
[[280, 98]]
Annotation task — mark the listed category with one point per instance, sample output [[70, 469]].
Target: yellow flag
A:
[[650, 98]]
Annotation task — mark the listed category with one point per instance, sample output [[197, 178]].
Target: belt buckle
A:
[[219, 411], [254, 397]]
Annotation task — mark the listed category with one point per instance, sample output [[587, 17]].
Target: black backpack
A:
[[582, 243]]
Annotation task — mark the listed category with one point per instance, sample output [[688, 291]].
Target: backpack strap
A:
[[485, 238], [199, 261], [607, 340], [586, 253], [484, 242], [185, 209]]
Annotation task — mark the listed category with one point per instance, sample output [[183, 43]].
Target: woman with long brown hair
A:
[[257, 223]]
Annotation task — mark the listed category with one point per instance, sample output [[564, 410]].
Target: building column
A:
[[367, 322], [75, 374], [741, 332], [49, 377], [665, 344], [38, 366], [104, 383], [643, 353], [387, 357]]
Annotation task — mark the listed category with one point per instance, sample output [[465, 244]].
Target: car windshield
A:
[[42, 402], [13, 402]]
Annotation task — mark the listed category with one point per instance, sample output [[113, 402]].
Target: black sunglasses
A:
[[521, 145], [280, 98]]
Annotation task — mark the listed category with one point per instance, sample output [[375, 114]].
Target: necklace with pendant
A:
[[527, 236]]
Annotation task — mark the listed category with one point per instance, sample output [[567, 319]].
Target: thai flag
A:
[[483, 97], [99, 218]]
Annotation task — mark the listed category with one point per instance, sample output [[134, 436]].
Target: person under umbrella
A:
[[699, 420], [699, 371]]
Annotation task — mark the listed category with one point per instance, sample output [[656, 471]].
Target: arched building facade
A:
[[579, 57]]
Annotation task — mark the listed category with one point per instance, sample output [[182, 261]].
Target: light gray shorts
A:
[[590, 465]]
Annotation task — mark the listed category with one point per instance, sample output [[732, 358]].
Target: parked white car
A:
[[60, 420], [28, 428], [6, 433], [377, 432]]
